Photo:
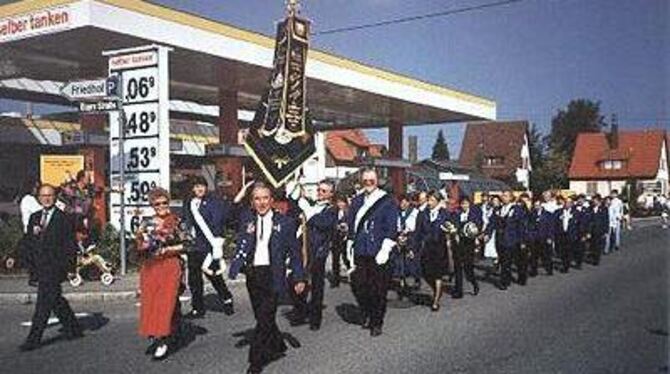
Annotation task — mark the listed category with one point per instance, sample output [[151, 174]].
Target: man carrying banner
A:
[[206, 216], [373, 227], [321, 219]]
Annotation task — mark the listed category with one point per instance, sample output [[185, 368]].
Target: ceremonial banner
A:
[[281, 138]]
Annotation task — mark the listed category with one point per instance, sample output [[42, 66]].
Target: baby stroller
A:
[[90, 263]]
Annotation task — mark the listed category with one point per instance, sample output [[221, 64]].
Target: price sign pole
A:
[[139, 135]]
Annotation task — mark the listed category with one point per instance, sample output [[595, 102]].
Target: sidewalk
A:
[[14, 289]]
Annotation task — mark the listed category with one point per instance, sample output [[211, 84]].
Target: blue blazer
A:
[[320, 230], [572, 233], [474, 215], [430, 234], [542, 226], [216, 214], [283, 245], [599, 222], [510, 229], [381, 222], [583, 221]]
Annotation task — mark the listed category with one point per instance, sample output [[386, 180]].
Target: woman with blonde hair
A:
[[160, 241]]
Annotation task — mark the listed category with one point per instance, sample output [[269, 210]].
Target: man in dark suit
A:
[[599, 228], [264, 241], [568, 238], [373, 227], [464, 255], [321, 218], [206, 216], [510, 227], [51, 234], [339, 242]]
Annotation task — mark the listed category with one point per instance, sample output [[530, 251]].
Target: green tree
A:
[[440, 148], [581, 115]]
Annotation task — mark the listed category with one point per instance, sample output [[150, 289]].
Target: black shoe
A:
[[335, 285], [29, 346], [77, 334], [532, 273], [457, 295], [195, 314], [375, 331], [315, 326], [578, 266], [475, 289], [254, 369], [522, 282], [228, 308], [435, 307], [152, 347], [502, 287]]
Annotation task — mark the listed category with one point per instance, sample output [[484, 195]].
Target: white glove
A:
[[385, 252], [217, 248], [350, 255]]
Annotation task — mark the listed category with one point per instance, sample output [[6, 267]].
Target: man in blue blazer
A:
[[464, 255], [373, 226], [583, 214], [568, 233], [599, 228], [206, 216], [544, 226], [321, 218], [509, 225], [264, 242]]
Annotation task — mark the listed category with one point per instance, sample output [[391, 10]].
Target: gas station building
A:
[[217, 74]]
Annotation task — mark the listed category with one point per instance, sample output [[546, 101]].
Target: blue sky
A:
[[531, 57]]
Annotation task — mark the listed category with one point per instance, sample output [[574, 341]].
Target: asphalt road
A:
[[607, 319]]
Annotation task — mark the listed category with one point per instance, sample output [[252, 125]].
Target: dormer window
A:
[[611, 164], [494, 161]]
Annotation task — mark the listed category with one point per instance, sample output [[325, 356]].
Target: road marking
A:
[[54, 320]]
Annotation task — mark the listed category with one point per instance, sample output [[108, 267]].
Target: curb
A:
[[13, 298]]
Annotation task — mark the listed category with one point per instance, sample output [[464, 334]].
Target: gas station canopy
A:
[[62, 40]]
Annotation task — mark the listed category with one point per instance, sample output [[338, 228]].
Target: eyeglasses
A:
[[160, 203]]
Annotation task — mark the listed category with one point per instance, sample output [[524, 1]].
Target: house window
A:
[[591, 188], [611, 164], [495, 161]]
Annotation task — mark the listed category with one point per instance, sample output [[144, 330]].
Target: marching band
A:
[[383, 242]]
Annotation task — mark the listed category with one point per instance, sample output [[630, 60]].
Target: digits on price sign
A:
[[140, 122], [140, 190], [140, 157], [138, 88]]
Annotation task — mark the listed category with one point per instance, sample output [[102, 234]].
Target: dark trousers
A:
[[310, 305], [369, 283], [50, 298], [565, 249], [267, 341], [464, 256], [338, 251], [506, 256], [578, 251], [541, 250], [195, 282], [597, 247]]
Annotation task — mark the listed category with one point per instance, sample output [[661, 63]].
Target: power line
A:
[[419, 17]]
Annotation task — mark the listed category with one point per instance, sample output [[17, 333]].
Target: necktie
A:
[[261, 218], [43, 221]]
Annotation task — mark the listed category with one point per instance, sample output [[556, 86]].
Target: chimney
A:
[[614, 133], [413, 149]]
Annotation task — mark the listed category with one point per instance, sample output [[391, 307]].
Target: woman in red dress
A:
[[160, 242]]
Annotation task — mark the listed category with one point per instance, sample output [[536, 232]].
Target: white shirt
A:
[[263, 233], [567, 215], [49, 213], [28, 206], [434, 213], [311, 210], [504, 211], [615, 212], [410, 220]]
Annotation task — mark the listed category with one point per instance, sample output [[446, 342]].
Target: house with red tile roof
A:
[[603, 162], [347, 150], [499, 150]]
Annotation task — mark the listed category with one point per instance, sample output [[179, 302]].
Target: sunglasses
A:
[[160, 203]]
